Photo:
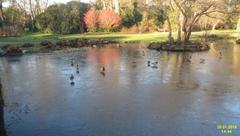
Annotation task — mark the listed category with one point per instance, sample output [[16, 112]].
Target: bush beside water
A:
[[48, 46]]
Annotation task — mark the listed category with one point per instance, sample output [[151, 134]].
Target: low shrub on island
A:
[[176, 47]]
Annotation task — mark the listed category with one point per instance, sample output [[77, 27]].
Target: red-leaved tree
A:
[[91, 20], [109, 20]]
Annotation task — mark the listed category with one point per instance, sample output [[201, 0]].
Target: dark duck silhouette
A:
[[102, 69], [155, 67], [72, 64], [148, 63], [202, 61], [143, 53], [155, 63], [220, 55], [72, 83], [77, 71], [71, 77]]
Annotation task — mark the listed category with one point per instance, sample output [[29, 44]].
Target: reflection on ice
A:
[[139, 92]]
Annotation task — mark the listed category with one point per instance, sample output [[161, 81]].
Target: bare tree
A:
[[33, 7], [193, 10]]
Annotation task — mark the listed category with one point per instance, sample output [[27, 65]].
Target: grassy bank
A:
[[119, 37]]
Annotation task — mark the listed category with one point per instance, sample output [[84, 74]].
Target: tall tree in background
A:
[[15, 16], [1, 13], [109, 5], [62, 18], [131, 16], [162, 13], [35, 7]]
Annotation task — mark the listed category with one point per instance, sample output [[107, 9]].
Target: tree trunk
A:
[[186, 40], [215, 25], [170, 38], [238, 25], [179, 37], [187, 35], [185, 29], [184, 34], [1, 14], [104, 5], [180, 21], [116, 6], [32, 14]]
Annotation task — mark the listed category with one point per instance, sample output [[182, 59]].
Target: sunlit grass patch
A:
[[119, 37]]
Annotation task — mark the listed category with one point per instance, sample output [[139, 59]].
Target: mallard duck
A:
[[102, 69], [155, 67], [202, 61], [190, 57], [148, 63], [72, 83], [155, 63]]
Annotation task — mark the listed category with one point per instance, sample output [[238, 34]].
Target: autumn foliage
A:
[[109, 19], [91, 19], [103, 19]]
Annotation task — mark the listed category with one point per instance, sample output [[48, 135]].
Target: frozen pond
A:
[[171, 97]]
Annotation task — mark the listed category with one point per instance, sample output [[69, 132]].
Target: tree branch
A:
[[180, 8]]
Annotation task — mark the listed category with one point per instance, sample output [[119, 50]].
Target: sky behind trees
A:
[[65, 1], [56, 1]]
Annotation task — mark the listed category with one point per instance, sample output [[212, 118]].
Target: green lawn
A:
[[120, 37]]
